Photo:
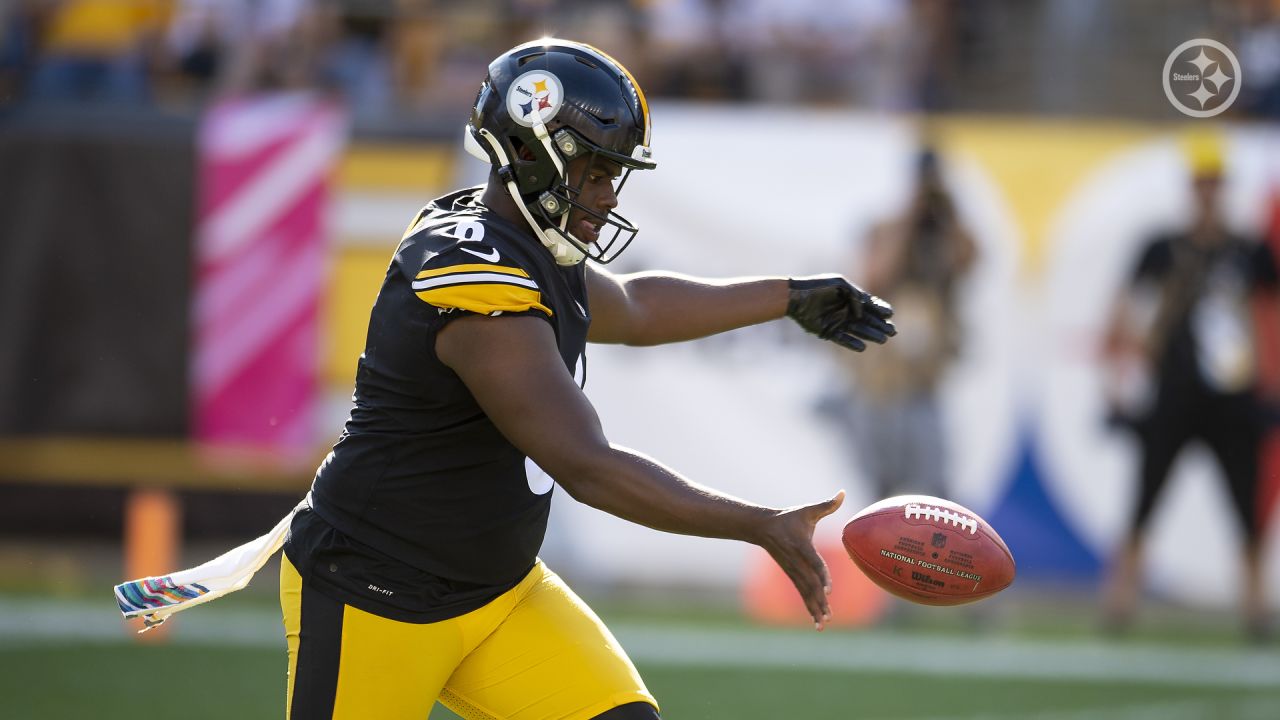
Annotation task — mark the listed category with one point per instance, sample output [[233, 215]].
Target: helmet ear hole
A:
[[522, 151]]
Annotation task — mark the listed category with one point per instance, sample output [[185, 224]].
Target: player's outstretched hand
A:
[[837, 310], [789, 539]]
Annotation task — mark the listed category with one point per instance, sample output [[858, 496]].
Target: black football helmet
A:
[[544, 104]]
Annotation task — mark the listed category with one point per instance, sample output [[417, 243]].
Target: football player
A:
[[413, 576]]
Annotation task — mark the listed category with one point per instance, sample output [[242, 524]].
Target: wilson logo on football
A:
[[964, 522]]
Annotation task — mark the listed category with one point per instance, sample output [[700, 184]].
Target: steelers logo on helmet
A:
[[534, 97]]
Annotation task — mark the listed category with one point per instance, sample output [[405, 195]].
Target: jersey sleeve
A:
[[1155, 261], [461, 279]]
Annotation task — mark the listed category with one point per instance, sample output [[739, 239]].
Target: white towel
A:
[[156, 598]]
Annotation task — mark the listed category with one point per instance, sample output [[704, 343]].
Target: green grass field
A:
[[195, 682], [73, 659]]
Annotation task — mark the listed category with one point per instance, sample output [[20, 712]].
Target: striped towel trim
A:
[[156, 598], [154, 592]]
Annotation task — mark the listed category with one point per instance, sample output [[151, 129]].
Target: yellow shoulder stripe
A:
[[475, 267], [485, 298], [484, 289]]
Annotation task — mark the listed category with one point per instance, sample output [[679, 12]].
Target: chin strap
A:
[[556, 239]]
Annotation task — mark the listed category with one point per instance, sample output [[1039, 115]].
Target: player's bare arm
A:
[[554, 424], [652, 308]]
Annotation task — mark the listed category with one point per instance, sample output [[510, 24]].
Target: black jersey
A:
[[1206, 290], [424, 510]]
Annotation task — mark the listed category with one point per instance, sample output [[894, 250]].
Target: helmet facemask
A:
[[555, 205]]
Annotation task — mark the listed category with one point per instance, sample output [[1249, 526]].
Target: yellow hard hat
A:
[[1205, 152]]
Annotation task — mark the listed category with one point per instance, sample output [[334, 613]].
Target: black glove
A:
[[837, 310]]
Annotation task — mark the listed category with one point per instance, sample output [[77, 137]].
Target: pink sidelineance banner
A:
[[264, 172]]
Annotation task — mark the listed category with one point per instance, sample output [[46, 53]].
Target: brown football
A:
[[929, 550]]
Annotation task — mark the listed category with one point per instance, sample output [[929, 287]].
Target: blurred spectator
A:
[[1069, 32], [1259, 52], [805, 51], [98, 50], [199, 37], [19, 31], [695, 50], [415, 42], [279, 48], [247, 45], [356, 58], [914, 261], [932, 52], [1184, 324], [408, 63]]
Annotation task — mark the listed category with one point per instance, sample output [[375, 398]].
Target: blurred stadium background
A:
[[198, 199]]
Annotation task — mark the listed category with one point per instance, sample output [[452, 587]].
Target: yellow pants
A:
[[536, 652]]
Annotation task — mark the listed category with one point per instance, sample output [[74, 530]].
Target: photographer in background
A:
[[917, 259]]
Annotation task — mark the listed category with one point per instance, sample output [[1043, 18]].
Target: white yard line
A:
[[1241, 709], [25, 622], [971, 656]]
